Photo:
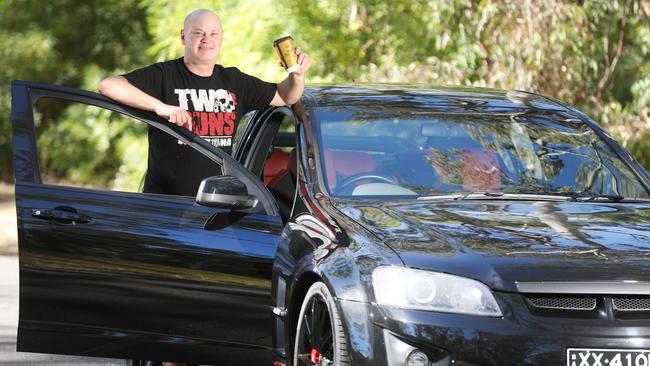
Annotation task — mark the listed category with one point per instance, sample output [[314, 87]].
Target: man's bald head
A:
[[201, 35], [201, 14]]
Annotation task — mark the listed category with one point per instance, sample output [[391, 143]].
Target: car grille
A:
[[629, 303], [589, 306], [563, 303]]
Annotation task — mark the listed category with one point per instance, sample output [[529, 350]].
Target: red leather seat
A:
[[343, 164], [278, 165]]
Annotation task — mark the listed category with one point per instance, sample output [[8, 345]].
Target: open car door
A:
[[107, 273]]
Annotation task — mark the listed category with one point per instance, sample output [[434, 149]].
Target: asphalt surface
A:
[[9, 323]]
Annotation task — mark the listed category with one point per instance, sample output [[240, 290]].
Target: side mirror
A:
[[225, 192]]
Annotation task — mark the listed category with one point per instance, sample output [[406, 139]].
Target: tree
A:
[[65, 42]]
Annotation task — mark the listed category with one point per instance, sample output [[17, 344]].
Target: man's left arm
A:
[[291, 88]]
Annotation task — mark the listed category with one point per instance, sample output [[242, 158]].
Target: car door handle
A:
[[63, 214]]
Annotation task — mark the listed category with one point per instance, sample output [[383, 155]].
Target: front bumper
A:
[[518, 338]]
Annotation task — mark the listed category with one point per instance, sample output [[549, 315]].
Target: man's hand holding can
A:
[[292, 59]]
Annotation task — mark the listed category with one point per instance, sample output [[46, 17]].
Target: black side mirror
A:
[[225, 192]]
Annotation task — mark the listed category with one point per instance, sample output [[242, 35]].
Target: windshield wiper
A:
[[497, 195], [593, 197], [560, 197], [470, 195], [608, 197], [460, 196]]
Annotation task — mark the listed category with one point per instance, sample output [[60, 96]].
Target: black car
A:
[[367, 225]]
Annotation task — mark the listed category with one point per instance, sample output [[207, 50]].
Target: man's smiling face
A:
[[202, 37]]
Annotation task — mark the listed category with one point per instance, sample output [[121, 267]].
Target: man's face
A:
[[202, 38]]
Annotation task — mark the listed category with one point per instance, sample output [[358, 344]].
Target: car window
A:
[[369, 153], [241, 128], [87, 146], [285, 139]]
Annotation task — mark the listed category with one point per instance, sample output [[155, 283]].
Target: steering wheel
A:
[[346, 184]]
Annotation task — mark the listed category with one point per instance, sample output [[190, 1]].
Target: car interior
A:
[[280, 177], [271, 155]]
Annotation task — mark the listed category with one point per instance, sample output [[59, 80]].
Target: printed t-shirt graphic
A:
[[216, 103], [213, 113]]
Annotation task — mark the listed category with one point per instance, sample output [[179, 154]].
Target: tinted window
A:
[[419, 153]]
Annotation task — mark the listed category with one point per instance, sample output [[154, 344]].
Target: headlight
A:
[[424, 290]]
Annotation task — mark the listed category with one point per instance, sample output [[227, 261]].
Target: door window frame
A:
[[25, 94]]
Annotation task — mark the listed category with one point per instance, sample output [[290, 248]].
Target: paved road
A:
[[9, 321]]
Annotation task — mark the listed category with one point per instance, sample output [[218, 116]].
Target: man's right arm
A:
[[119, 89]]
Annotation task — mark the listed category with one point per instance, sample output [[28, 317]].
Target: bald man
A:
[[208, 99]]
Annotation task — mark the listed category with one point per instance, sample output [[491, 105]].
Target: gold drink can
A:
[[287, 53]]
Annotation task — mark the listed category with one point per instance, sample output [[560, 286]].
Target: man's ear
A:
[[183, 36]]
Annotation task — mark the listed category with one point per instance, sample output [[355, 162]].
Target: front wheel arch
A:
[[319, 330], [297, 296]]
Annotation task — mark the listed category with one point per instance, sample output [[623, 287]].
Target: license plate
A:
[[607, 357]]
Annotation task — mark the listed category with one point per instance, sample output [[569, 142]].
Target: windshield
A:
[[381, 152]]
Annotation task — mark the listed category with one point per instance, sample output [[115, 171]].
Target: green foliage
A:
[[109, 150], [594, 54], [640, 149], [66, 42]]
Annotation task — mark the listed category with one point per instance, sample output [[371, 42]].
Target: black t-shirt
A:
[[216, 104]]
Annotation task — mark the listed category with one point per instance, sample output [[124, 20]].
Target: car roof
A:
[[430, 98]]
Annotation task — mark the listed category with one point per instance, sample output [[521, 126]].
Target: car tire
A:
[[318, 305]]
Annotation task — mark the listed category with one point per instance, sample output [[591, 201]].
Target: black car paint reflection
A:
[[558, 240], [162, 277]]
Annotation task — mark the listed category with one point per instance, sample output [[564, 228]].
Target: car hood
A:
[[503, 242]]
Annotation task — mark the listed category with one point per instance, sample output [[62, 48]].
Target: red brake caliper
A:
[[314, 356]]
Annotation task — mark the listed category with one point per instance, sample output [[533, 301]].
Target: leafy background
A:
[[592, 54]]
